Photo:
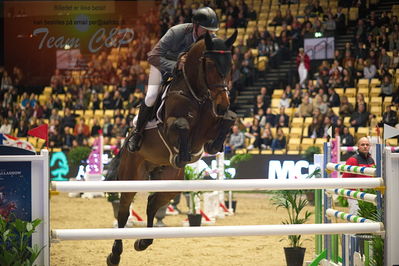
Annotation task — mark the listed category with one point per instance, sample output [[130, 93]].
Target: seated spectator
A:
[[348, 140], [333, 98], [386, 86], [67, 138], [318, 115], [370, 70], [22, 128], [108, 101], [57, 82], [279, 142], [266, 139], [395, 59], [359, 68], [6, 127], [305, 108], [332, 115], [254, 135], [237, 139], [107, 127], [384, 60], [339, 125], [360, 118], [330, 24], [315, 130], [54, 139], [389, 117], [326, 125], [285, 101], [260, 116], [296, 98], [69, 119], [81, 128], [360, 100], [346, 108], [282, 118], [95, 128], [259, 104], [270, 117], [265, 95], [320, 104], [278, 19], [262, 48]]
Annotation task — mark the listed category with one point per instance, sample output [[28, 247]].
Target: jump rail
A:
[[353, 195], [211, 185], [347, 217], [215, 231], [351, 169], [348, 148]]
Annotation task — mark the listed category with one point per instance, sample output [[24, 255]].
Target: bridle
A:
[[221, 88]]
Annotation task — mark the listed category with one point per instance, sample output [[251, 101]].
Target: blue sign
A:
[[15, 190]]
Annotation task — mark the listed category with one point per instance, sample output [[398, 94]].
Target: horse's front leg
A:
[[155, 202], [114, 258], [226, 123]]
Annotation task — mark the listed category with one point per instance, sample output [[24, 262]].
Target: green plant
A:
[[78, 154], [15, 237], [310, 151], [234, 162], [370, 211], [113, 196], [191, 174], [294, 202]]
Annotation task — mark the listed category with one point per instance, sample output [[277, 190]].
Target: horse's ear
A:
[[208, 41], [229, 42]]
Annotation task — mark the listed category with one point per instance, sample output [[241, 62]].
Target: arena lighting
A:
[[318, 34]]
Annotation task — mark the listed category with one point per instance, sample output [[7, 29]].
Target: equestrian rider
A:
[[163, 58]]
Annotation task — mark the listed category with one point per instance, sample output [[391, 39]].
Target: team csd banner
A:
[[43, 35]]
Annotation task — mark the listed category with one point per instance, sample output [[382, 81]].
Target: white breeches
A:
[[154, 85], [303, 73]]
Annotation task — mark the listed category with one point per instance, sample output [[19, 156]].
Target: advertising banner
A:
[[45, 35]]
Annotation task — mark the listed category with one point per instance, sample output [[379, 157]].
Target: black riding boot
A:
[[144, 115]]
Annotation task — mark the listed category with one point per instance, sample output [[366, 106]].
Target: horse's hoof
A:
[[140, 245], [112, 261]]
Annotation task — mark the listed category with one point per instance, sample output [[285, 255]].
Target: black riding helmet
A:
[[206, 18]]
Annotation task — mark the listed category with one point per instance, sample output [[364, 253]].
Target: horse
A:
[[196, 118]]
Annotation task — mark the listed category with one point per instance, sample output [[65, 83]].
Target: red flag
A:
[[39, 132]]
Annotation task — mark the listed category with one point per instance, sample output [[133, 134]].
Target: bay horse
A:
[[195, 119]]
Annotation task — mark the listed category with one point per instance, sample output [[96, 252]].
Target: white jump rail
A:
[[211, 185], [360, 170], [347, 217], [215, 231], [353, 194]]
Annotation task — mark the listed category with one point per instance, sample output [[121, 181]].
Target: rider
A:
[[163, 58]]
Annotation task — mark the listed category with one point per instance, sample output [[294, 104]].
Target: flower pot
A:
[[233, 203], [294, 256], [194, 219], [115, 206]]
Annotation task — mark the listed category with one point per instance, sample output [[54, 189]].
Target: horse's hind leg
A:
[[113, 259], [155, 202]]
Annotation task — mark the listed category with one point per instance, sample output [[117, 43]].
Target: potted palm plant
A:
[[309, 156], [294, 202], [194, 218], [229, 174]]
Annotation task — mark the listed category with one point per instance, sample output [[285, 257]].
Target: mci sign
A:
[[290, 169]]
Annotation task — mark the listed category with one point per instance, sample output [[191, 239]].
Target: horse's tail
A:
[[112, 173]]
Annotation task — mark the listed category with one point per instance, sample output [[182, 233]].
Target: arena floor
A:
[[252, 209]]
